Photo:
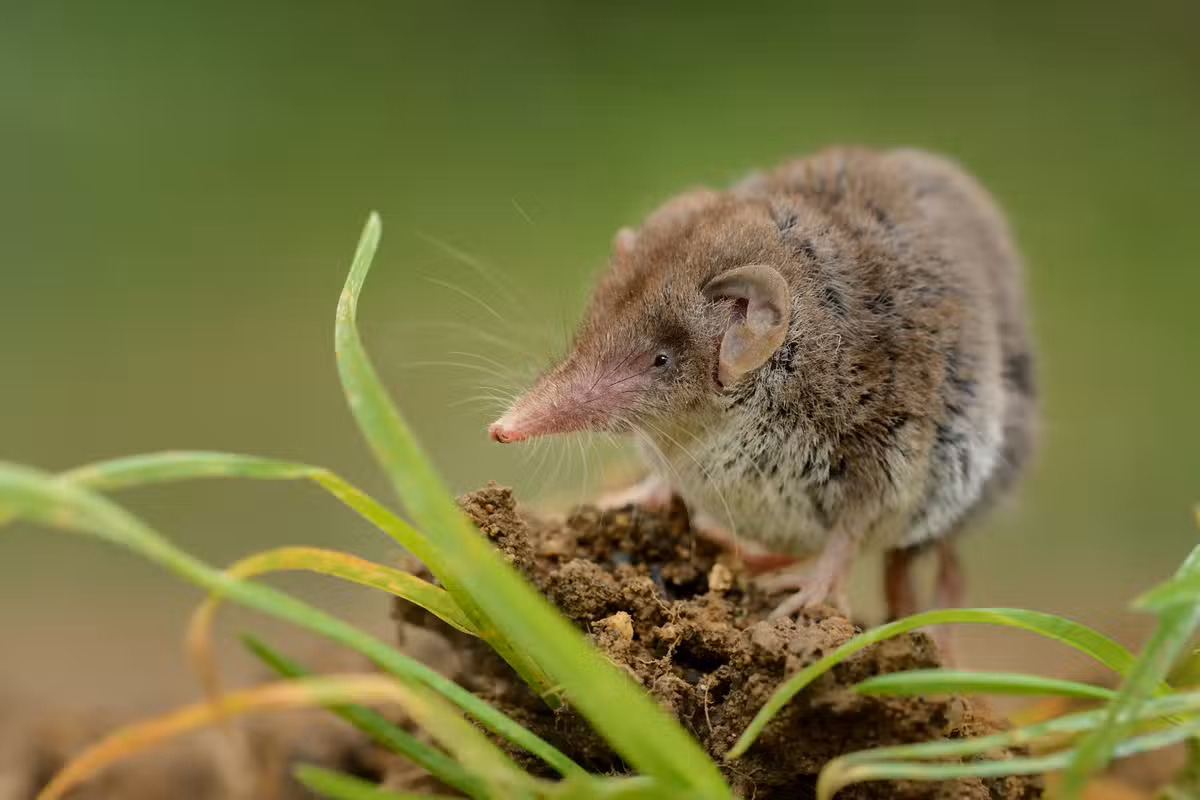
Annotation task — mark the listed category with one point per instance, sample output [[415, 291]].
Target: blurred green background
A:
[[182, 184]]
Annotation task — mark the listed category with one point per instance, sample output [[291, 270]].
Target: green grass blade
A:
[[1070, 633], [469, 745], [1051, 732], [388, 437], [1174, 629], [142, 470], [335, 564], [641, 732], [838, 774], [378, 728], [945, 681], [336, 786], [637, 787], [1181, 590], [42, 498]]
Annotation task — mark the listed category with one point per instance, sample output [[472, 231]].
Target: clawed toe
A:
[[810, 594]]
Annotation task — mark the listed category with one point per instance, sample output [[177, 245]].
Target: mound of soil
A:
[[669, 606], [679, 615]]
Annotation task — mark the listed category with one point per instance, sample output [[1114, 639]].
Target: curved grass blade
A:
[[493, 769], [637, 787], [178, 465], [945, 681], [1070, 633], [376, 417], [336, 786], [1175, 626], [1053, 732], [337, 564], [379, 729], [641, 732], [1040, 735], [838, 774], [38, 496], [326, 562], [1180, 590], [470, 746]]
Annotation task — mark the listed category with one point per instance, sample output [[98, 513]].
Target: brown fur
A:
[[901, 402]]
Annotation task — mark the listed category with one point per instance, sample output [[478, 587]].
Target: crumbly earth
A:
[[687, 624], [669, 606]]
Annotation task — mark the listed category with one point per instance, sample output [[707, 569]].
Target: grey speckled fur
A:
[[901, 402]]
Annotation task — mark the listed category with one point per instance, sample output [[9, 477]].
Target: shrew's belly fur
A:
[[757, 493], [778, 491]]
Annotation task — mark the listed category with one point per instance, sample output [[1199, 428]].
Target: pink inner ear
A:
[[624, 242]]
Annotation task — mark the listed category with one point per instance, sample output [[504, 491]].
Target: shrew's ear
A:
[[624, 242], [762, 306]]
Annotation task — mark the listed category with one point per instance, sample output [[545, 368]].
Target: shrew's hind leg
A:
[[951, 581], [898, 589], [948, 592]]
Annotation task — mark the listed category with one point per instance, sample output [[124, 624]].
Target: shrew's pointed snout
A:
[[565, 402], [503, 432]]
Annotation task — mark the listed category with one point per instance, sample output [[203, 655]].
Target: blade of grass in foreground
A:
[[838, 774], [899, 761], [1181, 590], [336, 786], [381, 731], [641, 732], [1048, 734], [170, 466], [494, 769], [948, 681], [1174, 629], [40, 497], [337, 564], [326, 562], [178, 465], [1072, 634]]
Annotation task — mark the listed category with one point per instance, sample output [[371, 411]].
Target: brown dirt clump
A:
[[679, 615]]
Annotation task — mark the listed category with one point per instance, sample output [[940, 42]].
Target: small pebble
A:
[[620, 622], [720, 578]]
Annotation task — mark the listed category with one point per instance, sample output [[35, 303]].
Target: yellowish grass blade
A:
[[473, 749], [62, 504], [326, 562]]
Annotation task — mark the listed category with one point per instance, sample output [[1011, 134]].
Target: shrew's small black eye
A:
[[661, 360]]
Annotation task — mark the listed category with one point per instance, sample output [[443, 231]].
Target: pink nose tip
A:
[[499, 434]]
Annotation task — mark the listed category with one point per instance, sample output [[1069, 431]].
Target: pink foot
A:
[[826, 581]]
